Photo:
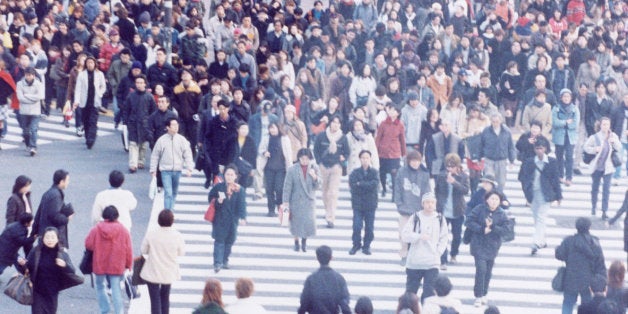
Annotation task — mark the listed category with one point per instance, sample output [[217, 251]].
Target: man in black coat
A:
[[50, 211], [15, 236], [540, 181], [363, 182], [139, 105], [215, 134], [325, 290]]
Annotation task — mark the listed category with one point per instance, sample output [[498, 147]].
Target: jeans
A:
[[564, 156], [159, 298], [30, 124], [78, 117], [456, 232], [597, 176], [483, 272], [569, 299], [414, 277], [274, 187], [540, 208], [117, 113], [222, 249], [116, 293], [367, 217], [170, 180]]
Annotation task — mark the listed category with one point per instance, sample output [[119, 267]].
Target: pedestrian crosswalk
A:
[[50, 130], [263, 252]]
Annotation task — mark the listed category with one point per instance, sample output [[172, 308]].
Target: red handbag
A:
[[211, 211]]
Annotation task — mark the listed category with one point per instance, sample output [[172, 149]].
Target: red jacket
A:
[[111, 244], [107, 52], [391, 139]]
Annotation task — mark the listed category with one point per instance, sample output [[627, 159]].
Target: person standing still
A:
[[172, 154], [30, 93], [363, 182], [88, 93]]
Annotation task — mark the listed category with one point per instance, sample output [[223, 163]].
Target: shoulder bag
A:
[[211, 211], [87, 262], [138, 265], [558, 282]]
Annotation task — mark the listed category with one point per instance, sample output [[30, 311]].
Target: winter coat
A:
[[437, 149], [560, 114], [356, 146], [107, 51], [596, 140], [541, 113], [111, 243], [390, 139], [410, 185], [161, 247], [297, 133], [477, 198], [117, 71], [192, 48], [425, 254], [137, 109], [80, 91], [47, 277], [286, 149], [596, 109], [49, 214], [255, 126], [30, 96], [322, 154], [460, 188], [618, 118], [171, 153], [186, 100], [165, 74], [363, 184], [16, 207], [584, 259], [215, 134], [412, 117], [157, 124], [210, 308], [622, 210], [228, 213], [497, 146], [441, 91], [300, 193], [324, 291], [14, 236], [550, 180], [486, 246]]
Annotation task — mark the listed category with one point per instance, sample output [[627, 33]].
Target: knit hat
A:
[[565, 91], [490, 179], [428, 196], [136, 65]]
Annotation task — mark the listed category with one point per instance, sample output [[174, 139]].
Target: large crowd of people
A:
[[422, 99]]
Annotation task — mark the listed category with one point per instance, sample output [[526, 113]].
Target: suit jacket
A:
[[550, 180]]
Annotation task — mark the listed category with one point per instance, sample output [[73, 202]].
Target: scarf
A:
[[359, 136], [333, 138], [232, 188]]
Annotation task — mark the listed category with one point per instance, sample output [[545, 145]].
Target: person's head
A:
[[408, 301], [243, 129], [393, 111], [163, 103], [90, 63], [140, 83], [61, 178], [231, 173], [244, 288], [110, 214], [452, 162], [491, 309], [496, 120], [442, 286], [51, 237], [323, 255], [609, 306], [363, 306], [172, 126], [304, 155], [493, 199], [25, 219], [583, 224], [223, 109], [487, 182], [541, 147], [335, 124], [212, 292], [414, 159], [428, 202], [616, 273], [273, 129], [445, 127], [540, 81], [165, 218], [116, 178], [22, 185], [365, 158], [605, 124]]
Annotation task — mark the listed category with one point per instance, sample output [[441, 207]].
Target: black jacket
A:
[[584, 259], [322, 155], [363, 184], [157, 124], [16, 207], [486, 246], [137, 109], [460, 189], [325, 291], [591, 306], [550, 180], [497, 147], [14, 236], [49, 214], [215, 135], [620, 212]]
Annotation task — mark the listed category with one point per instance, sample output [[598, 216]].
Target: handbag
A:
[[124, 136], [615, 159], [211, 211], [87, 262], [558, 282], [129, 288], [284, 216], [200, 160], [466, 237], [20, 289], [244, 169], [138, 265], [510, 228]]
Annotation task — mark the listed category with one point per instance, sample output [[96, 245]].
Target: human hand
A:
[[266, 154], [60, 262], [312, 174], [21, 261]]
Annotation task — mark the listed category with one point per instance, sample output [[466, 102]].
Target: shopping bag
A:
[[152, 188], [20, 289], [125, 137], [210, 213], [138, 264], [284, 216]]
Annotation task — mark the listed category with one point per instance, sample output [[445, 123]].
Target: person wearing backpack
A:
[[427, 234]]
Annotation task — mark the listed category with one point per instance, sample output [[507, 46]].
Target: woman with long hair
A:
[[274, 157], [616, 290], [360, 139], [211, 303], [455, 112], [20, 200], [362, 87], [78, 68], [408, 304]]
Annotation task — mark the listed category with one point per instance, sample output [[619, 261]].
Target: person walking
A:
[[214, 136], [52, 211], [171, 154], [360, 139], [390, 140], [565, 122], [584, 259], [275, 157], [497, 149], [122, 199], [487, 223], [540, 182], [325, 290], [299, 196], [413, 181], [426, 232], [88, 93], [112, 250], [331, 150], [602, 144], [363, 183], [230, 203], [30, 92], [212, 298], [162, 246], [244, 305], [241, 148], [20, 200], [450, 188], [14, 237], [621, 211], [138, 107]]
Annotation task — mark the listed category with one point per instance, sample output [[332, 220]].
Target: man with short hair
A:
[[363, 182], [244, 305], [139, 105], [30, 92], [497, 148], [118, 70], [123, 200], [52, 210], [325, 290]]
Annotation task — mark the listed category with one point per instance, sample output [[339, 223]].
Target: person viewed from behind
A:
[[363, 183], [112, 250], [50, 212], [442, 299], [88, 93], [487, 223], [602, 144], [363, 305], [584, 259], [275, 157], [244, 305], [123, 200], [20, 200], [30, 92], [138, 107], [161, 247], [230, 203], [565, 122], [616, 290], [14, 237], [391, 145], [598, 290], [621, 211], [172, 154], [325, 290], [408, 304], [540, 182], [299, 196], [426, 232], [413, 181], [211, 303]]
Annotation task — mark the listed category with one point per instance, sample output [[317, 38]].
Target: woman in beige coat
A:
[[295, 130], [161, 247]]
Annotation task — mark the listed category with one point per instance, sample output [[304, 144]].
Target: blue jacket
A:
[[550, 180], [497, 147], [560, 115], [255, 126]]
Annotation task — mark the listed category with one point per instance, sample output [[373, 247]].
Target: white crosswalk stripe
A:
[[50, 130], [263, 252]]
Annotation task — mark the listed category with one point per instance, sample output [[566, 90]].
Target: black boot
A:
[[303, 241], [296, 245]]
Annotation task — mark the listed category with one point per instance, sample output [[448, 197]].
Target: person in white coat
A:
[[30, 93], [90, 88], [123, 200]]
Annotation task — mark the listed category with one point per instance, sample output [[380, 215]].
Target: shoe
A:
[[271, 214], [567, 182], [117, 125], [225, 266], [604, 216], [66, 123], [366, 250], [577, 172], [484, 300], [89, 145], [217, 268], [535, 250], [303, 246], [257, 196], [453, 260], [330, 225], [593, 212], [209, 183], [383, 193], [80, 131], [132, 170], [102, 110], [443, 267], [297, 247], [354, 249], [478, 302], [33, 152], [403, 261]]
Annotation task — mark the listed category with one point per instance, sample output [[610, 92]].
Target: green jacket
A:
[[209, 308]]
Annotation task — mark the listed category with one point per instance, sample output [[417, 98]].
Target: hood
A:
[[107, 230]]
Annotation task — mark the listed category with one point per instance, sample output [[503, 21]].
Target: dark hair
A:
[[494, 192], [541, 141], [51, 229], [491, 309], [609, 306], [110, 213], [409, 301], [304, 152], [442, 285], [364, 151], [583, 224], [170, 120], [279, 133], [20, 182], [165, 218], [363, 306], [116, 178], [59, 176], [25, 218], [141, 76], [323, 254]]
